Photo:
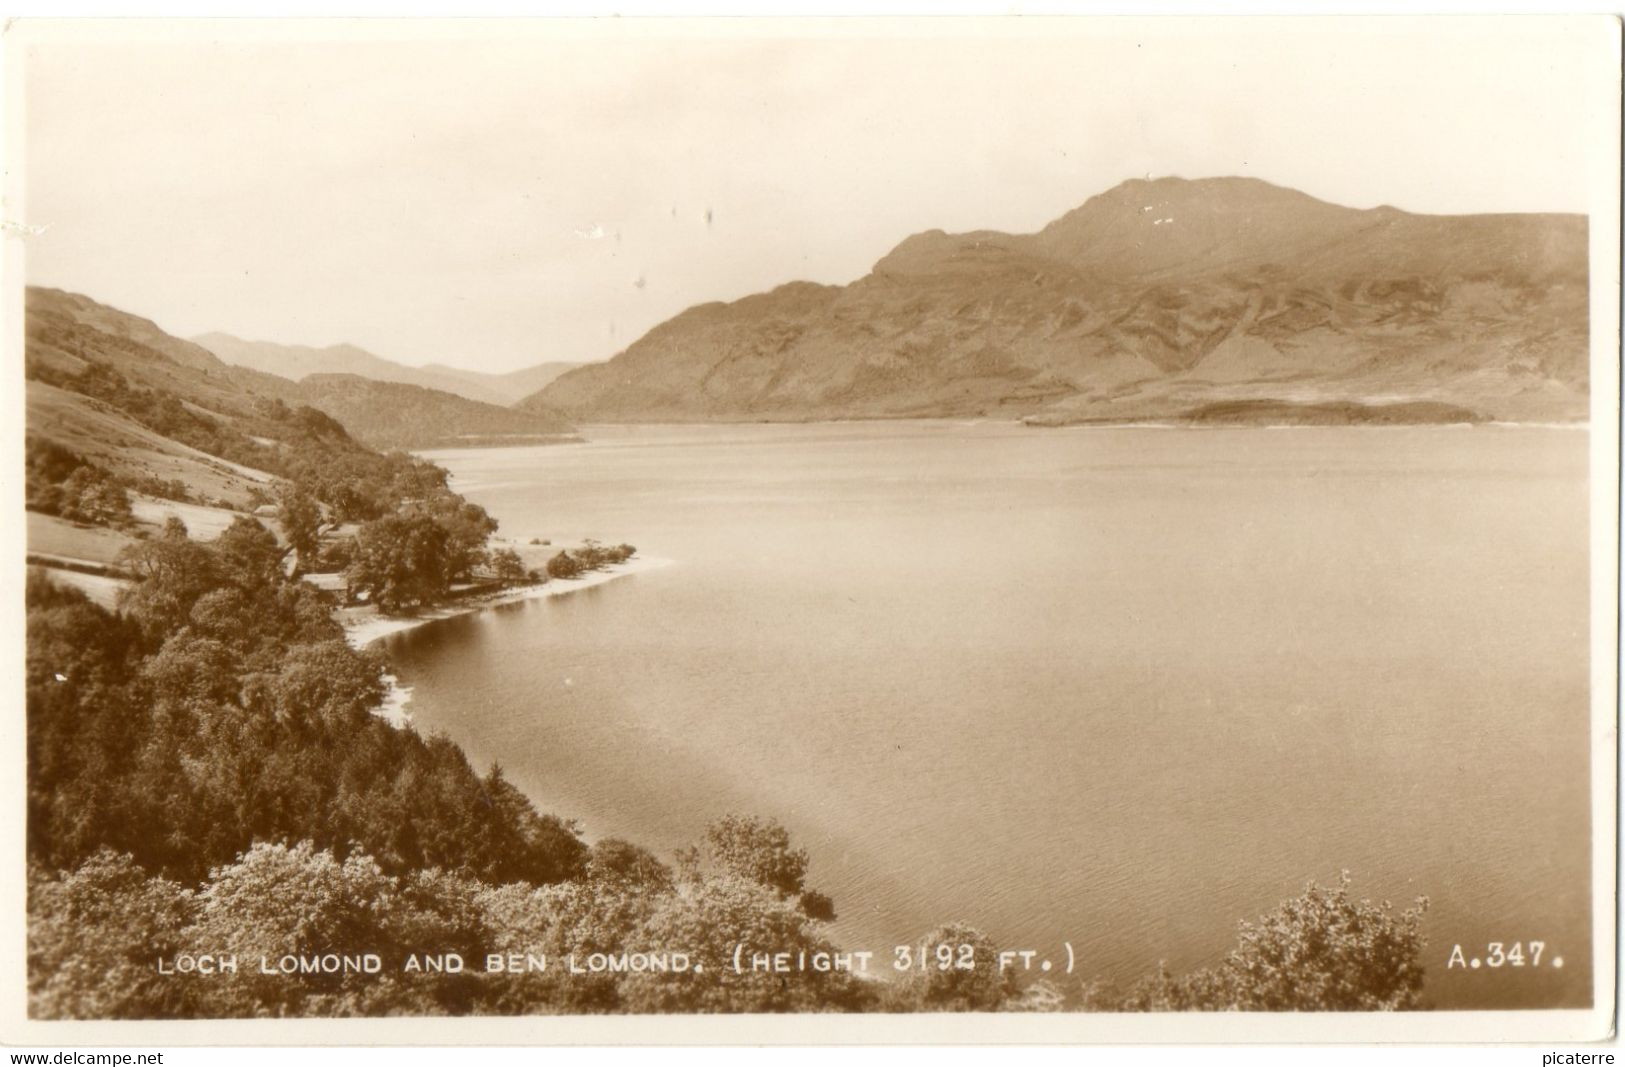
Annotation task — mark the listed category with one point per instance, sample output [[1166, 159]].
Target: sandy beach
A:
[[363, 629]]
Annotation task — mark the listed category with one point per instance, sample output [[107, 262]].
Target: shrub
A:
[[93, 935], [592, 555], [507, 566], [60, 482], [706, 919], [1321, 951], [757, 850], [563, 565], [162, 488], [954, 968]]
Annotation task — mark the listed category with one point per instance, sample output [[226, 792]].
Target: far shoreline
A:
[[1031, 422]]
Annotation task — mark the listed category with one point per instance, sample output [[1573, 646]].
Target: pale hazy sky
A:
[[496, 196]]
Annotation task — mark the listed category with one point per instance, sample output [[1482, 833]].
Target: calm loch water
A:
[[1119, 687]]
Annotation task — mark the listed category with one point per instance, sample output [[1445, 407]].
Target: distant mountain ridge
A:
[[297, 362], [69, 334], [1152, 300]]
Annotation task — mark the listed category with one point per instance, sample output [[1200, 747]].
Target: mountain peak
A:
[[1145, 301], [1232, 185], [1143, 226], [1146, 227]]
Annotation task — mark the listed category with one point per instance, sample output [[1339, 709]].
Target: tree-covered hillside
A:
[[396, 415]]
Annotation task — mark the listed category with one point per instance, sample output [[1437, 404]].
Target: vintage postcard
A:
[[769, 530]]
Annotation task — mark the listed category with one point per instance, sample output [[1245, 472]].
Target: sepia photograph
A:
[[1004, 529]]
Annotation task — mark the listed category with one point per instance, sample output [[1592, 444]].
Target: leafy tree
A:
[[706, 919], [90, 495], [955, 968], [412, 478], [225, 614], [189, 669], [72, 641], [756, 850], [48, 462], [172, 571], [528, 846], [466, 526], [93, 935], [276, 901], [1322, 951], [301, 519], [43, 497], [248, 553], [402, 562], [438, 912], [563, 565], [324, 687], [264, 623], [507, 565], [614, 861], [61, 482], [162, 488], [818, 905], [558, 920], [591, 555]]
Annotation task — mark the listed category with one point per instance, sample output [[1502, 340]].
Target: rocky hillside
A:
[[1153, 300], [296, 362]]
